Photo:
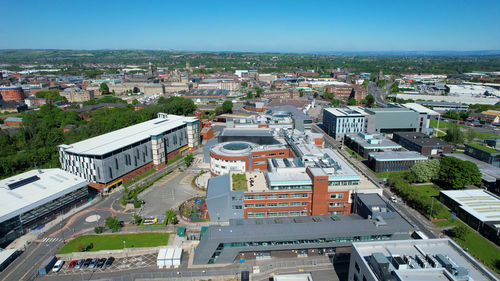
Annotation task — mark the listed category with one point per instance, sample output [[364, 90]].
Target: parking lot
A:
[[118, 265]]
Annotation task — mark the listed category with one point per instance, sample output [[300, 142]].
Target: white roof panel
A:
[[33, 189], [111, 141]]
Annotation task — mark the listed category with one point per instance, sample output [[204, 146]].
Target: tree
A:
[[227, 106], [188, 159], [395, 87], [171, 217], [335, 102], [249, 95], [455, 173], [258, 91], [351, 101], [52, 95], [99, 230], [113, 223], [454, 135], [137, 219], [460, 231], [370, 101], [136, 90], [135, 102], [104, 88], [244, 84], [301, 93], [425, 171]]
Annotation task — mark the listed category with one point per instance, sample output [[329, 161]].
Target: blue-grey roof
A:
[[296, 113], [218, 186], [206, 149]]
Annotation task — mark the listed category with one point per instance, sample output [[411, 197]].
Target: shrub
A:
[[99, 229]]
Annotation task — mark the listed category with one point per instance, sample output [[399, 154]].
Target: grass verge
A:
[[115, 241], [127, 184], [353, 153]]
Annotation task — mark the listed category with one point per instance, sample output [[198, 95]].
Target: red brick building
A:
[[12, 93]]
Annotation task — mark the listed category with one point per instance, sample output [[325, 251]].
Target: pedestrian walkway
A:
[[52, 240]]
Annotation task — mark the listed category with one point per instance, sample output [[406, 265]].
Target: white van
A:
[[59, 264], [394, 200]]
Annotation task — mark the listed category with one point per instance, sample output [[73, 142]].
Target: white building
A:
[[338, 122]]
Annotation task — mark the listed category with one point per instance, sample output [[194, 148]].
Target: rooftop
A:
[[448, 251], [114, 140], [397, 156], [420, 108], [481, 204], [29, 190], [421, 138], [483, 148], [250, 132], [373, 141], [350, 111]]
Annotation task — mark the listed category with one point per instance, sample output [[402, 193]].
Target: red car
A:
[[72, 263]]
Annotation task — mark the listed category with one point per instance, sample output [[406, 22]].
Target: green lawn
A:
[[443, 125], [127, 184], [239, 182], [483, 148], [174, 159], [477, 245], [480, 135], [430, 190], [115, 241], [388, 174]]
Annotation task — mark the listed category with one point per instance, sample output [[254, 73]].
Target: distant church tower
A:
[[150, 69], [188, 66]]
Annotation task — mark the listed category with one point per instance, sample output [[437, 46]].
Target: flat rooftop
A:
[[114, 140], [32, 189], [421, 139], [421, 247], [351, 111], [420, 108], [483, 205], [246, 132], [489, 172], [397, 156], [374, 142]]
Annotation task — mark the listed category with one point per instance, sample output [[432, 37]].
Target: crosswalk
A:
[[52, 240]]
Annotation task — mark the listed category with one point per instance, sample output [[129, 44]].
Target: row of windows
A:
[[270, 154], [290, 187], [336, 196], [284, 204], [276, 196], [277, 214], [339, 183]]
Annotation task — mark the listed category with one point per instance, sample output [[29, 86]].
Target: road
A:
[[378, 93], [52, 240], [414, 217]]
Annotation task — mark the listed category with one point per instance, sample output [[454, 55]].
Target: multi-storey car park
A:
[[110, 159]]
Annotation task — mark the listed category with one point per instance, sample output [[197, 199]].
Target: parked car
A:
[[86, 263], [72, 263], [109, 261], [394, 200], [93, 263], [79, 263], [100, 263], [59, 264]]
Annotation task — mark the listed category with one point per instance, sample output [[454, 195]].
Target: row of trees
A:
[[35, 144], [450, 173]]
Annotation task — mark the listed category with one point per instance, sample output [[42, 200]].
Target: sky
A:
[[257, 26]]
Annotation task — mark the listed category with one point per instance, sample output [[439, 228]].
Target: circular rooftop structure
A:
[[233, 148]]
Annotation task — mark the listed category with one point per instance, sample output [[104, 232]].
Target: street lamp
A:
[[126, 255]]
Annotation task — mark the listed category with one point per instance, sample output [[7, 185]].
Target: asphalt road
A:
[[378, 93]]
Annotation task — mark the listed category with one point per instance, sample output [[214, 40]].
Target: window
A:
[[282, 204], [272, 154], [281, 153], [249, 197], [262, 205], [282, 214], [272, 214], [295, 195], [297, 203], [237, 207], [294, 214], [282, 196], [249, 205], [272, 196], [272, 204], [259, 197], [336, 196], [335, 204], [304, 195], [116, 163], [110, 173]]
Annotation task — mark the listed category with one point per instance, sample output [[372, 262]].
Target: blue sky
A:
[[259, 25]]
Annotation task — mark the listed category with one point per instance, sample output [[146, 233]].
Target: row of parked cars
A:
[[85, 263]]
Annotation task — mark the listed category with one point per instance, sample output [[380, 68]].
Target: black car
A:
[[79, 263], [110, 261], [100, 263], [87, 263]]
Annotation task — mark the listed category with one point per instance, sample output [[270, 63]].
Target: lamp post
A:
[[124, 249]]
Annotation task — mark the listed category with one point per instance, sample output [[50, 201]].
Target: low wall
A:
[[128, 252]]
